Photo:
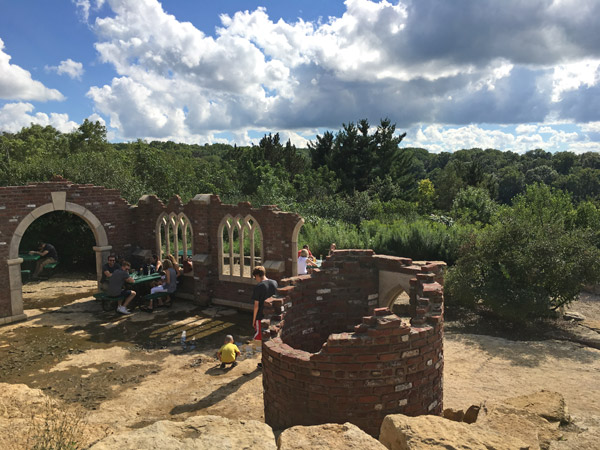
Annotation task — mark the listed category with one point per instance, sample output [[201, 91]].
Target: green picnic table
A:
[[27, 257], [139, 279]]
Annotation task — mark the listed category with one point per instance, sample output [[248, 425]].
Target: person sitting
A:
[[107, 271], [48, 256], [169, 285], [302, 262], [178, 269], [115, 286], [188, 265], [228, 353], [305, 247], [155, 264], [332, 248]]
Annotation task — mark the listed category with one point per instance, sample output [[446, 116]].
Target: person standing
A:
[[263, 290], [48, 256], [115, 287]]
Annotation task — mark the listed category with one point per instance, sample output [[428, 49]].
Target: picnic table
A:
[[27, 257], [139, 279], [109, 303]]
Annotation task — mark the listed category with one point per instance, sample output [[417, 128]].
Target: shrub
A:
[[531, 260]]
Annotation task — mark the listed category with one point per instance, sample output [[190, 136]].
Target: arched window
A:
[[240, 247], [174, 236]]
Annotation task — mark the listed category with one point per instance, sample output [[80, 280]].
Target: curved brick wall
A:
[[331, 355]]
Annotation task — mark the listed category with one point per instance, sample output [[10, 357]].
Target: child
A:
[[228, 353]]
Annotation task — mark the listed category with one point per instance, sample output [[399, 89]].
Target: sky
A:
[[513, 75]]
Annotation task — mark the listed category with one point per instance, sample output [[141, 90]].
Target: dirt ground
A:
[[130, 371]]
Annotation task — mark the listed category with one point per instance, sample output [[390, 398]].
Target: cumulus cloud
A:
[[68, 67], [85, 6], [15, 116], [16, 83], [414, 61]]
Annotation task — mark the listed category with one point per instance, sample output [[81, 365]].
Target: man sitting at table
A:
[[107, 271], [115, 286], [305, 247], [48, 256]]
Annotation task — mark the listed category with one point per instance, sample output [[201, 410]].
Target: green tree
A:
[[531, 260], [426, 194], [472, 205]]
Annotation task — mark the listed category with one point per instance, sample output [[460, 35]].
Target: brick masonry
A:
[[120, 228], [331, 354]]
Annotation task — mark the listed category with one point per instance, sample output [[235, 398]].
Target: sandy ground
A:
[[127, 372]]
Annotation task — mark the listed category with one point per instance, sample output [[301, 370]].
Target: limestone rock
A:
[[331, 436], [456, 415], [400, 432], [584, 434], [573, 315], [547, 404], [530, 428], [196, 433], [471, 414]]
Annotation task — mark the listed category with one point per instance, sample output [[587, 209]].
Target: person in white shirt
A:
[[302, 262]]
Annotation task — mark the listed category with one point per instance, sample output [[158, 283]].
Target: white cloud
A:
[[591, 127], [16, 83], [526, 128], [437, 138], [68, 67], [570, 77], [85, 6], [14, 116], [584, 147], [411, 61]]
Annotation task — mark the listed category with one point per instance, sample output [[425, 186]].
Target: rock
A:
[[29, 418], [456, 415], [471, 414], [331, 436], [547, 404], [400, 432], [584, 436], [572, 315], [533, 430], [198, 432]]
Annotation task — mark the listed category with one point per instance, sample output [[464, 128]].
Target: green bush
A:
[[531, 260]]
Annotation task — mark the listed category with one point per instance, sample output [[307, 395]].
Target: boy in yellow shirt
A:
[[228, 353]]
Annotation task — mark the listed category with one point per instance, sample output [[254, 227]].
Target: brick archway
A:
[[58, 203]]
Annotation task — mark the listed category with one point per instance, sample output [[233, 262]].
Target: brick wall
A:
[[331, 355], [129, 227]]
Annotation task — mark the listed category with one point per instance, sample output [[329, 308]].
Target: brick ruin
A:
[[332, 350], [199, 228], [331, 354]]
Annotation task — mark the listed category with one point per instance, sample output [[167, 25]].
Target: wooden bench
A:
[[108, 303], [25, 275]]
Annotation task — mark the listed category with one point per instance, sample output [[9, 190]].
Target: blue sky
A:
[[511, 75]]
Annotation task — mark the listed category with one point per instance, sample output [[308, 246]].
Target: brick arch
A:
[[294, 246], [392, 284], [84, 213], [59, 203]]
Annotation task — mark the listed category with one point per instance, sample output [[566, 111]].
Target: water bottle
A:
[[193, 343], [183, 340]]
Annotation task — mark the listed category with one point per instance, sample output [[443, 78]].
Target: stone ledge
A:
[[11, 319]]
